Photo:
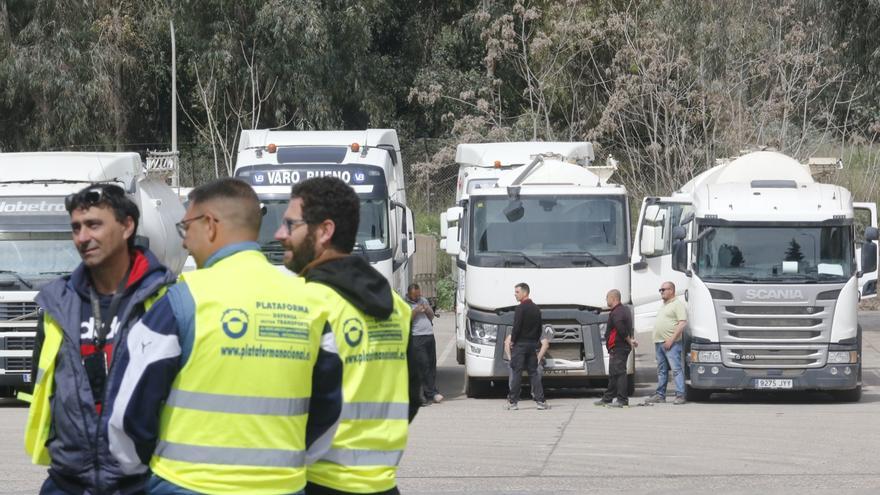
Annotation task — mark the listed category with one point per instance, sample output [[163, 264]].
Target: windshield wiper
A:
[[731, 278], [517, 253], [580, 253], [55, 272], [19, 277]]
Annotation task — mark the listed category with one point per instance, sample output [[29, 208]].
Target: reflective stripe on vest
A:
[[374, 410], [349, 457], [235, 419], [231, 456], [237, 404], [371, 436]]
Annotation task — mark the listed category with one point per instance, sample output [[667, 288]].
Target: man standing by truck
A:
[[371, 326], [619, 342], [81, 351], [668, 327], [423, 343], [523, 345]]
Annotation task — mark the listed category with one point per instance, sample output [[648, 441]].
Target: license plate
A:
[[774, 383]]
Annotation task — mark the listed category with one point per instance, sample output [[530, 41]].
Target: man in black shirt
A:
[[619, 341], [522, 347]]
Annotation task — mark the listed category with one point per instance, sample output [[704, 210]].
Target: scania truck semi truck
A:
[[765, 259]]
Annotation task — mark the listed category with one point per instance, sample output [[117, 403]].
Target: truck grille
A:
[[568, 333], [19, 343], [18, 364], [24, 311], [744, 321], [783, 356]]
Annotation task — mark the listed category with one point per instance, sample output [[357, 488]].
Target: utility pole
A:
[[176, 177]]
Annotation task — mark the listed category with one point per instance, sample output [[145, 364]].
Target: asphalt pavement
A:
[[737, 443]]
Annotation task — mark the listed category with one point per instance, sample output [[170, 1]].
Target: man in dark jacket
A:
[[619, 341], [80, 352], [372, 329], [522, 345]]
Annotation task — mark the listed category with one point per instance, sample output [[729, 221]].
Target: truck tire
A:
[[692, 394], [459, 355], [852, 395], [630, 385]]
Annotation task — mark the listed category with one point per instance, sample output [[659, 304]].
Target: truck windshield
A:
[[775, 254], [28, 257], [372, 230], [554, 231]]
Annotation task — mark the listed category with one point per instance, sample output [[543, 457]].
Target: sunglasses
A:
[[663, 290], [92, 196]]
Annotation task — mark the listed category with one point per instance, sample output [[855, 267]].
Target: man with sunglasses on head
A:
[[371, 325], [668, 327], [234, 372], [80, 351]]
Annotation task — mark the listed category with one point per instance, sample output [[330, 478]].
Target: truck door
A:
[[865, 215], [652, 257], [454, 223]]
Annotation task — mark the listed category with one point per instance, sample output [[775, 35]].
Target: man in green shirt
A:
[[668, 327]]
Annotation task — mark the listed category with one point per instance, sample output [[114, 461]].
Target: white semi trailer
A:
[[369, 161], [554, 222], [35, 238], [765, 259]]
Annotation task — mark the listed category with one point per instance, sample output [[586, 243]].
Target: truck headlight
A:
[[843, 357], [705, 356], [482, 333]]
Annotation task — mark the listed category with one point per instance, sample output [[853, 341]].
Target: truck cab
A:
[[560, 227], [765, 259], [369, 161]]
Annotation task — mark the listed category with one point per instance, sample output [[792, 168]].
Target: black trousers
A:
[[425, 348], [524, 356], [616, 377]]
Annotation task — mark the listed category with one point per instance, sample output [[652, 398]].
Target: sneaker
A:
[[542, 405], [679, 400], [512, 406], [601, 403], [438, 398], [618, 404], [655, 399], [426, 403]]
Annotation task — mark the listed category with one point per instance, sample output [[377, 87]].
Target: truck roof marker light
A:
[[355, 147], [272, 148]]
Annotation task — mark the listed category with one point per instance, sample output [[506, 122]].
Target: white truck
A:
[[765, 260], [35, 238], [369, 161], [538, 213]]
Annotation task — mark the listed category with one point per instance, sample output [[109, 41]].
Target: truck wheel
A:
[[459, 355], [630, 385], [476, 388], [696, 394], [852, 395]]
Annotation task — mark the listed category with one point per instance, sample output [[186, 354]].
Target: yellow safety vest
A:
[[373, 426], [39, 422], [235, 419]]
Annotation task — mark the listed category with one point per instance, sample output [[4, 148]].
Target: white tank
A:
[[160, 210]]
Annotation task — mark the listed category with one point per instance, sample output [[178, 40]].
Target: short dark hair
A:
[[524, 287], [412, 287], [228, 188], [109, 195], [328, 198]]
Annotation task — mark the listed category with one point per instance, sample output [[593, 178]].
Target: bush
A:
[[446, 293]]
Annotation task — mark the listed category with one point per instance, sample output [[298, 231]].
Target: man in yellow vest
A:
[[80, 348], [372, 331], [234, 372]]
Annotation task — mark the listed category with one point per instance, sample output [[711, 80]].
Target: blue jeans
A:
[[159, 486], [665, 360]]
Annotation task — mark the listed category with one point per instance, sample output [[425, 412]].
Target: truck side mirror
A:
[[871, 234], [679, 233], [679, 256], [869, 255], [453, 244]]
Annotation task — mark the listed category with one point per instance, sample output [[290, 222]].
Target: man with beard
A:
[[371, 324], [81, 351], [234, 372]]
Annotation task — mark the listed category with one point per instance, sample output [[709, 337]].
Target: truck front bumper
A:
[[727, 378]]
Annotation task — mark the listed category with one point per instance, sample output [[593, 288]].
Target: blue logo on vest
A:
[[235, 322], [353, 332]]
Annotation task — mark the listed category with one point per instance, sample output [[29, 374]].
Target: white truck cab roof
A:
[[79, 167]]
